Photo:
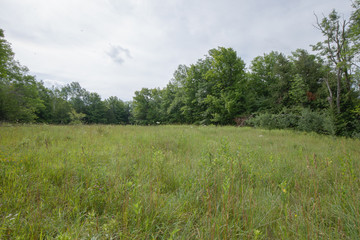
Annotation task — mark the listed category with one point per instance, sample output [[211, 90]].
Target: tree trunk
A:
[[348, 80], [330, 98], [338, 91]]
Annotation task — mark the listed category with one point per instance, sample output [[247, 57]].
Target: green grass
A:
[[176, 182]]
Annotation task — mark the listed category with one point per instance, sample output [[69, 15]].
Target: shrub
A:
[[303, 120], [286, 120], [260, 120], [311, 121], [274, 121]]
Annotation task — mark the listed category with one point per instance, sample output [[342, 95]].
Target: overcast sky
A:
[[115, 47]]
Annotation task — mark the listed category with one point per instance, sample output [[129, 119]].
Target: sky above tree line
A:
[[116, 47]]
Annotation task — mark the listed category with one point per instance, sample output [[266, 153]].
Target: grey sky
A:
[[115, 47]]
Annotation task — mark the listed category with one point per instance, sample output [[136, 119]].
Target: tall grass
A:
[[176, 182]]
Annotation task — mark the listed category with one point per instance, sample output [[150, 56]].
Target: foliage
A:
[[117, 111], [302, 119], [274, 121], [76, 118], [338, 50], [19, 98], [311, 121], [147, 106]]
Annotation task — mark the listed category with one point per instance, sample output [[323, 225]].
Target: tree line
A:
[[312, 92], [23, 99]]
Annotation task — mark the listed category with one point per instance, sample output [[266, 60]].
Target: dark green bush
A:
[[274, 121], [303, 120], [311, 121]]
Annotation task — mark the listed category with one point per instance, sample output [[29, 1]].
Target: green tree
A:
[[354, 32], [76, 95], [341, 49], [196, 89], [226, 76], [76, 118], [19, 98], [312, 71], [173, 97], [212, 90], [45, 114], [297, 90], [117, 111], [271, 76], [6, 56], [147, 106], [336, 48], [95, 108]]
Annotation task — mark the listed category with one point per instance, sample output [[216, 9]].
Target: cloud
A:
[[71, 40], [118, 54]]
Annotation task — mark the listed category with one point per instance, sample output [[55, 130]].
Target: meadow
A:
[[176, 182]]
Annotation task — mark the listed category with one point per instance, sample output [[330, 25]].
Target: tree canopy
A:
[[275, 90]]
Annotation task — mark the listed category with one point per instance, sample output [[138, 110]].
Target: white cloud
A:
[[115, 47]]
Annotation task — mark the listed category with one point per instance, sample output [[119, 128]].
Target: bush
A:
[[303, 120], [286, 120], [274, 121], [311, 121]]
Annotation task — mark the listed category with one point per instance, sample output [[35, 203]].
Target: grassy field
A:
[[176, 182]]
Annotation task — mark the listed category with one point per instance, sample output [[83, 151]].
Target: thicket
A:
[[305, 120], [301, 91]]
